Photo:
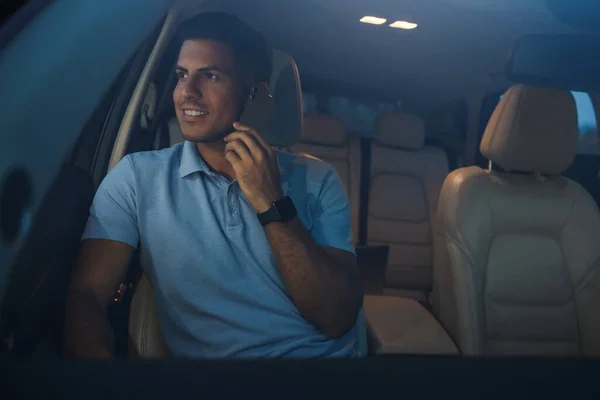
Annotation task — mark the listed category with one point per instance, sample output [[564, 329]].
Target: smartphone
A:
[[258, 110]]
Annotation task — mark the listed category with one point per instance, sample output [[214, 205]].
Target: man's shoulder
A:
[[150, 162], [311, 167], [142, 158]]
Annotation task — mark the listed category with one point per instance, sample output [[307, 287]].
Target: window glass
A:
[[309, 103], [358, 115], [588, 125]]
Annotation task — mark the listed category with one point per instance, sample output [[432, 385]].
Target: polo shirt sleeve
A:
[[331, 226], [113, 213]]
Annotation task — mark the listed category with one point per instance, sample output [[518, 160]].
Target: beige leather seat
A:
[[406, 177], [517, 263], [146, 339], [325, 138]]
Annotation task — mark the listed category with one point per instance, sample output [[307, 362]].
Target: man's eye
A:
[[212, 76], [180, 74]]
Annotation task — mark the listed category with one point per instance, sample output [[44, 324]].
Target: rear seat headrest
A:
[[532, 130], [324, 130], [400, 129]]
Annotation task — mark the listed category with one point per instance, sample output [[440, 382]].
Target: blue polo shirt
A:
[[217, 284]]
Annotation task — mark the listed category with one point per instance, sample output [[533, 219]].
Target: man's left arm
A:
[[323, 281], [318, 268]]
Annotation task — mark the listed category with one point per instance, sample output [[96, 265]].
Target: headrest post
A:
[[539, 177]]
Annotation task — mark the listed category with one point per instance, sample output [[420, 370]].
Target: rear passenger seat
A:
[[405, 181], [325, 137]]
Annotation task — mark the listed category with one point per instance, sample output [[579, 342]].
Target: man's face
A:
[[208, 95]]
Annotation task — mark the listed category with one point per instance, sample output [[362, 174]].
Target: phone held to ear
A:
[[258, 109]]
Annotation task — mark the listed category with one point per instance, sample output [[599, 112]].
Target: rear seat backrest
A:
[[406, 177], [325, 137]]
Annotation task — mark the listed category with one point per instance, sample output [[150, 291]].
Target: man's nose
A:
[[191, 88]]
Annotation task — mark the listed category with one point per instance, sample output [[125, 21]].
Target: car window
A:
[[10, 9], [41, 187], [358, 115], [587, 122], [588, 126]]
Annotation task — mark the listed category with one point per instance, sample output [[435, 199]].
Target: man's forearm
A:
[[327, 294], [87, 330]]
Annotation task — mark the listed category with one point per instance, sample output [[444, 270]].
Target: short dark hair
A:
[[250, 48]]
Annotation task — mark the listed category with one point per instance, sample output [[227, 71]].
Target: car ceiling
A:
[[460, 46]]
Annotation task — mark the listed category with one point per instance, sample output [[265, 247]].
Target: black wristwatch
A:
[[282, 210]]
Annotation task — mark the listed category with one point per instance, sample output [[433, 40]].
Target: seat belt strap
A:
[[365, 188]]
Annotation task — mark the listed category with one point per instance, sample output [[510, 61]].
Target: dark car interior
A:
[[468, 147]]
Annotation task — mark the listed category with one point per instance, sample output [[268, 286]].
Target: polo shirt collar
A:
[[191, 162]]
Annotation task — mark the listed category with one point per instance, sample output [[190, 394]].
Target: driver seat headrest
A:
[[532, 130], [287, 116]]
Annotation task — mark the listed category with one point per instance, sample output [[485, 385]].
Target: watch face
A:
[[282, 211], [285, 209], [276, 216]]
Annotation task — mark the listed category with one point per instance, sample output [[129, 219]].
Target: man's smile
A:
[[193, 114]]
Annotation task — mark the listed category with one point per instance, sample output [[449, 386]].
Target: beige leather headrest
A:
[[324, 130], [533, 130], [400, 129]]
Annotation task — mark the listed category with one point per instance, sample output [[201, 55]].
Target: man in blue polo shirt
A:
[[249, 249]]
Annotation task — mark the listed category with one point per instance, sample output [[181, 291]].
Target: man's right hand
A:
[[100, 267]]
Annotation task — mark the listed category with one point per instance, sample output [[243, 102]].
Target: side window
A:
[[359, 115], [309, 103], [15, 16], [588, 125]]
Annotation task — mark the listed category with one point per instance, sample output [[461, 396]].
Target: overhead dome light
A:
[[404, 25], [373, 20]]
